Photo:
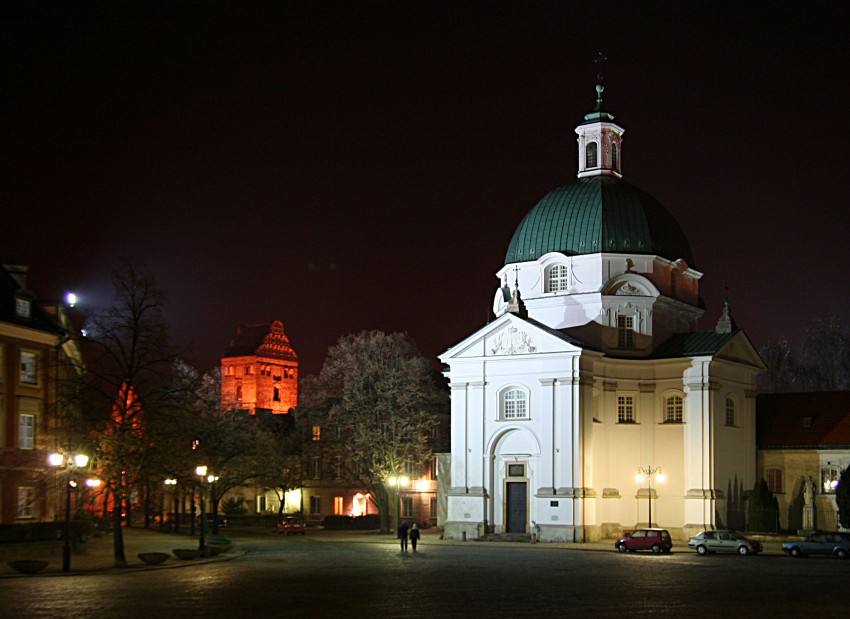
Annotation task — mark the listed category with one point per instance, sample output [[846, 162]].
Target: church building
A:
[[592, 403]]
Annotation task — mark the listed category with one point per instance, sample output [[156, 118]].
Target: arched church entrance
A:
[[514, 453]]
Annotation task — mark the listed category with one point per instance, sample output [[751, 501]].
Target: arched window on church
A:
[[673, 409], [514, 404], [615, 157], [591, 155], [557, 278], [774, 479], [730, 413]]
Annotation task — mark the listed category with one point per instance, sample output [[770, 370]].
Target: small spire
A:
[[726, 324], [516, 305]]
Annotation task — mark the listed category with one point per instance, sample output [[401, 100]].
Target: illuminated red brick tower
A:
[[259, 370]]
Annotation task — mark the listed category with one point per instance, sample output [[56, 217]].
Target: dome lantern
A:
[[599, 142]]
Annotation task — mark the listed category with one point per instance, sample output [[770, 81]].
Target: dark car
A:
[[656, 540], [821, 543], [724, 541], [292, 526], [215, 520]]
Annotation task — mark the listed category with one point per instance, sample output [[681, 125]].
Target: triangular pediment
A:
[[511, 335], [740, 350]]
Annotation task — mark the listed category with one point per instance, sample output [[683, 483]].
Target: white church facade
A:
[[594, 369]]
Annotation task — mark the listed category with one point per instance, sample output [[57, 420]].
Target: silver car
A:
[[724, 541]]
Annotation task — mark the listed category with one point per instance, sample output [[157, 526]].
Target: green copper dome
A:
[[598, 214]]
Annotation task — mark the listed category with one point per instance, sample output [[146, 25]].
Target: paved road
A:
[[324, 576]]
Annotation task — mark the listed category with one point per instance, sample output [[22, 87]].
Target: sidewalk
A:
[[97, 555]]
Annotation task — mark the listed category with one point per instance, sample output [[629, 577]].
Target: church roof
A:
[[803, 420], [598, 214], [693, 344]]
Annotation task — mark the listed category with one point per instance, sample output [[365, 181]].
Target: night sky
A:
[[348, 166]]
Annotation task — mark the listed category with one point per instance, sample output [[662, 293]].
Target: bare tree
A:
[[826, 356], [381, 394], [782, 367], [823, 366], [125, 386]]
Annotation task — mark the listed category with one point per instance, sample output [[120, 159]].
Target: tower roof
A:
[[265, 340]]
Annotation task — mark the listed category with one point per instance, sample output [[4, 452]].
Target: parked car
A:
[[820, 543], [292, 526], [724, 541], [656, 540], [213, 519]]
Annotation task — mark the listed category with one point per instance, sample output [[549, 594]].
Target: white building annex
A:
[[593, 368]]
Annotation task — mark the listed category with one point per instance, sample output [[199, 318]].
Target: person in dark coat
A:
[[414, 536], [402, 536]]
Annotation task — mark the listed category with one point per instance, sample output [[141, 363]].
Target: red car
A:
[[656, 540], [292, 526]]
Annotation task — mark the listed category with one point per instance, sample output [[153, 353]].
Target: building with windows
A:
[[594, 368], [802, 437], [35, 343], [259, 370]]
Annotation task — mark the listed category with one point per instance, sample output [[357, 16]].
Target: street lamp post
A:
[[71, 463], [173, 523], [202, 473], [398, 482], [645, 474]]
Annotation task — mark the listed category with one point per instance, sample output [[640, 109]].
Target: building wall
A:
[[580, 461], [798, 465], [24, 470], [252, 382]]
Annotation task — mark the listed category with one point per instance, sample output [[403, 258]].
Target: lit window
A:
[[317, 433], [626, 331], [730, 412], [774, 480], [591, 155], [515, 404], [26, 500], [26, 431], [829, 476], [28, 369], [338, 503], [557, 278], [615, 157], [625, 409], [673, 409]]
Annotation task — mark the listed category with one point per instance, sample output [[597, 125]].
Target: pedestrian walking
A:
[[402, 536], [414, 536]]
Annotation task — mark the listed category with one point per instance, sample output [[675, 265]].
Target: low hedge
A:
[[348, 523]]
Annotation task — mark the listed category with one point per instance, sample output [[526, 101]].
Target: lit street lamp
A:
[[71, 463], [645, 475], [398, 482], [202, 473], [173, 524]]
